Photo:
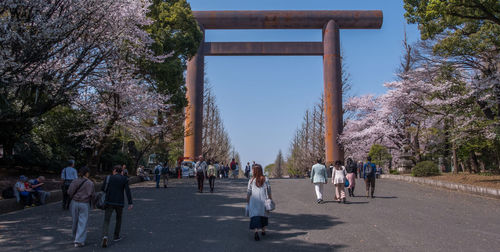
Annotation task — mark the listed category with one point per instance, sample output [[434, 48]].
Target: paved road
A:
[[403, 217]]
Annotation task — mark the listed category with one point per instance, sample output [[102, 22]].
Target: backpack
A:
[[369, 170], [164, 170], [157, 171]]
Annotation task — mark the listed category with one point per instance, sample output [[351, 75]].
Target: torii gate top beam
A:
[[345, 19]]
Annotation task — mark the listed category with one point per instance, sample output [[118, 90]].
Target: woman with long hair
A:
[[258, 191], [338, 180], [351, 176]]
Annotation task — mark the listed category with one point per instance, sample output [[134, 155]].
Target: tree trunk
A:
[[474, 162], [455, 161]]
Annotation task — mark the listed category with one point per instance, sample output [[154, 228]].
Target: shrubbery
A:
[[394, 172], [425, 169]]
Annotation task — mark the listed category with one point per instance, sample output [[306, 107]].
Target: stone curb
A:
[[11, 205], [478, 190]]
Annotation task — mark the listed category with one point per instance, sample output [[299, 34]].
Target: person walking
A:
[[226, 171], [164, 174], [369, 171], [81, 191], [360, 169], [338, 180], [200, 169], [351, 176], [68, 174], [319, 177], [258, 191], [247, 170], [117, 186], [157, 172], [233, 168], [211, 174]]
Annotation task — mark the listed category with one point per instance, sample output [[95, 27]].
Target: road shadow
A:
[[173, 219]]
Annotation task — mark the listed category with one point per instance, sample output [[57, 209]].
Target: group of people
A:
[[80, 197], [343, 177], [30, 193], [161, 172], [211, 169]]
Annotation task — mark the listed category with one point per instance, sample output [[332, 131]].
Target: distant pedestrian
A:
[[258, 191], [233, 168], [360, 169], [319, 178], [124, 170], [68, 174], [236, 171], [338, 179], [211, 174], [81, 191], [226, 171], [114, 202], [247, 170], [351, 175], [164, 174], [369, 171], [157, 172], [200, 169]]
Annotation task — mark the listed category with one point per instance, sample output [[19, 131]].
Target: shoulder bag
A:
[[100, 198], [78, 188]]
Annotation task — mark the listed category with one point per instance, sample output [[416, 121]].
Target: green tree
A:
[[269, 168], [279, 166], [379, 154], [175, 33], [466, 32]]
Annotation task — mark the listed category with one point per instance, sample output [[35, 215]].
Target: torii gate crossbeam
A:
[[329, 21]]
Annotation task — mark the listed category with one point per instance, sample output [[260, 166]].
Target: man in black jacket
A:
[[114, 188]]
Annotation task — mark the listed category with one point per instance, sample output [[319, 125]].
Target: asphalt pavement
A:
[[402, 217]]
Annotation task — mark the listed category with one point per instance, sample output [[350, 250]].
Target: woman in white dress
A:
[[258, 191], [338, 180]]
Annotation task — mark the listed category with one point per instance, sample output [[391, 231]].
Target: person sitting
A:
[[38, 192], [24, 192]]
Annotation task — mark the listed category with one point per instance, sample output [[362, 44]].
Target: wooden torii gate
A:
[[329, 21]]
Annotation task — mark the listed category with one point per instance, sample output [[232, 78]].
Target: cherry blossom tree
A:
[[52, 49]]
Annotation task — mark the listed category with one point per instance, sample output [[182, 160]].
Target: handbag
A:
[[100, 198], [269, 204], [346, 184]]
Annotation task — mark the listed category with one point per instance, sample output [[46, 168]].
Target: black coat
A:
[[117, 185], [352, 168]]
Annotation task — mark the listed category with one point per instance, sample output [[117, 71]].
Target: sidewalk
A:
[[478, 190]]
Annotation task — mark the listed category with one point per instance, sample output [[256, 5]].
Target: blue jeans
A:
[[158, 178], [80, 214]]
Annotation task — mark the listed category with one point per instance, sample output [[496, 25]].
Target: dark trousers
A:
[[107, 217], [65, 187], [27, 200], [370, 183], [211, 181], [200, 178]]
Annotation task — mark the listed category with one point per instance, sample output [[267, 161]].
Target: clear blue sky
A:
[[263, 98]]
